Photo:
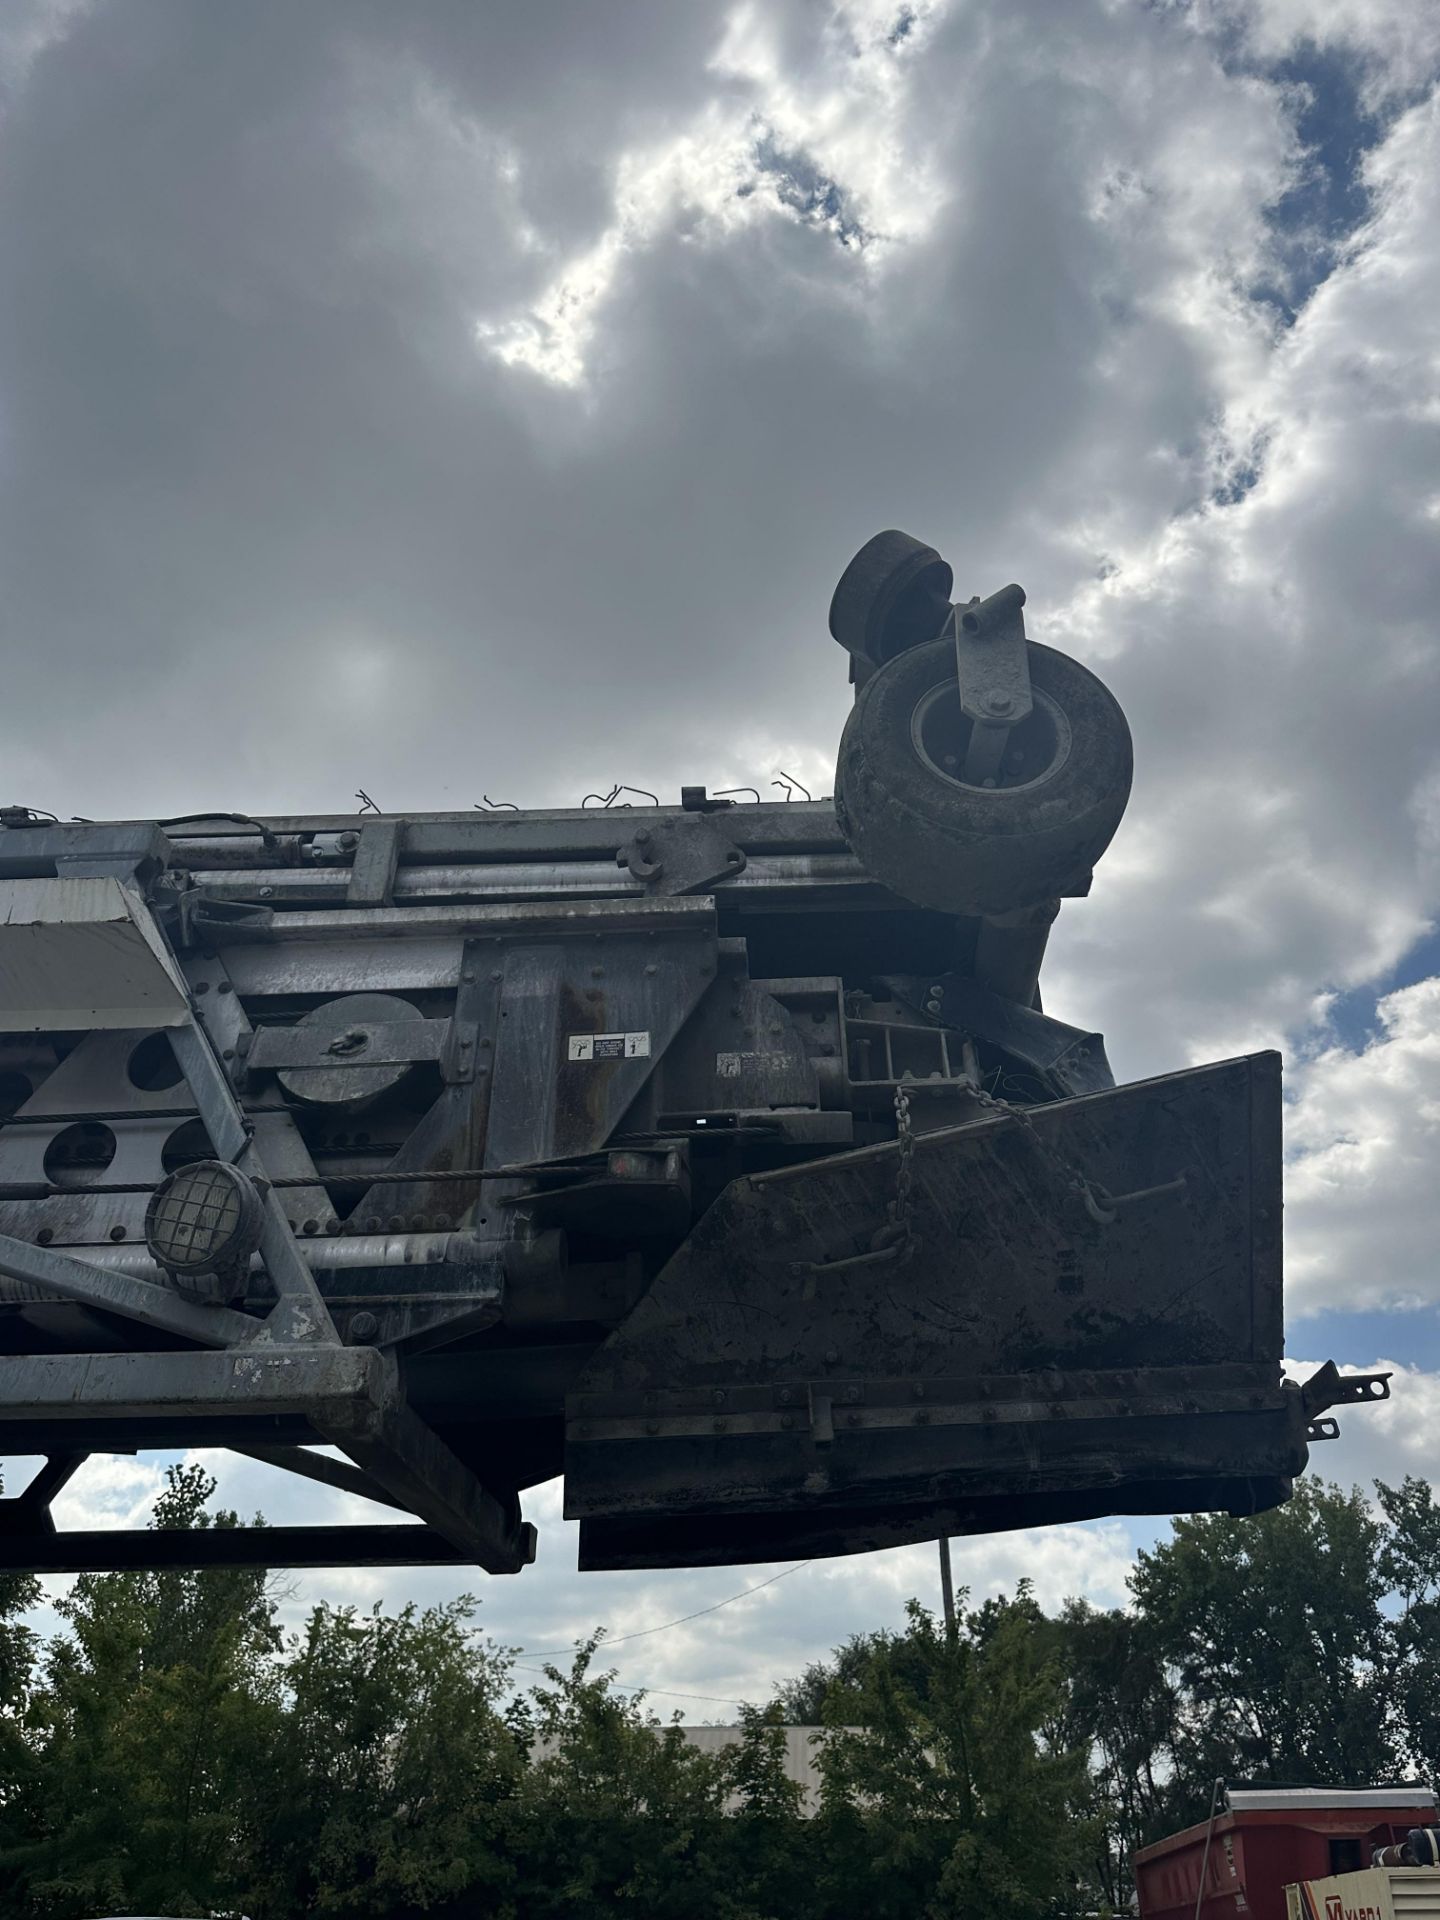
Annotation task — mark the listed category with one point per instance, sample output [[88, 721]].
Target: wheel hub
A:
[[1035, 749]]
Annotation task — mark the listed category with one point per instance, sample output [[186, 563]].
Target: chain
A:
[[895, 1241], [1095, 1197], [903, 1206]]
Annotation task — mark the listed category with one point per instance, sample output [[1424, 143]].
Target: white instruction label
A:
[[609, 1046]]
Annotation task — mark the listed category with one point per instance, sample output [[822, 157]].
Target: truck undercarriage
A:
[[717, 1156]]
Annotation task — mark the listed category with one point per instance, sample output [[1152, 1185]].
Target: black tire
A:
[[933, 839]]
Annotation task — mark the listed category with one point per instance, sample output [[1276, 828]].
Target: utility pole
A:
[[947, 1588]]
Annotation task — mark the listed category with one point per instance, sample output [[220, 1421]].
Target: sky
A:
[[460, 400]]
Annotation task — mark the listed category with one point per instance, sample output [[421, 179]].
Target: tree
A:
[[946, 1800], [1410, 1568], [801, 1702], [389, 1790], [1118, 1705], [21, 1790], [160, 1704], [770, 1853], [176, 1754], [1272, 1629], [618, 1810]]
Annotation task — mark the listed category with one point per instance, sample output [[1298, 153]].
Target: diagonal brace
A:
[[390, 1443], [123, 1293], [321, 1468], [300, 1312]]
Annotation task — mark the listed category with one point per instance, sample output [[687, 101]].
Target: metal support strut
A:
[[993, 670]]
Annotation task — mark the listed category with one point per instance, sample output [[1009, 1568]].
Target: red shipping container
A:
[[1263, 1839]]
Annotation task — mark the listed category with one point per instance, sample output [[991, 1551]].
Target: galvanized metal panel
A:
[[547, 1101], [81, 954]]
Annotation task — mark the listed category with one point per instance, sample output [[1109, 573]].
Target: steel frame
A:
[[289, 1362], [639, 919]]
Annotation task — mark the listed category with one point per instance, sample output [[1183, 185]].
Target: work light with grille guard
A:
[[202, 1225]]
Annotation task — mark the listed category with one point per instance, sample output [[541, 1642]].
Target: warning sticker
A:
[[609, 1046], [732, 1066]]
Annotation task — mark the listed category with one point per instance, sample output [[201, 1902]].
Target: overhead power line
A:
[[669, 1693], [555, 1653]]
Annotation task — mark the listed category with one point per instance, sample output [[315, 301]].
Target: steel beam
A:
[[160, 1548], [152, 1305], [393, 1445], [321, 1468], [252, 1382], [565, 834], [839, 876], [28, 1512], [447, 1257], [348, 1395]]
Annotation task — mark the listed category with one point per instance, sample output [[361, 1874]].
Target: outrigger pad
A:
[[1088, 1322]]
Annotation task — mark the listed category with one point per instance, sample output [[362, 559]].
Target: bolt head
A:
[[998, 702]]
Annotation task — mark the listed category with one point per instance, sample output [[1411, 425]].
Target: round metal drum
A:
[[346, 1031]]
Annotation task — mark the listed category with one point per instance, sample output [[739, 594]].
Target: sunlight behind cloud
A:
[[835, 154]]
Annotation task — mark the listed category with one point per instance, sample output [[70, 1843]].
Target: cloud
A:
[[254, 440], [445, 400], [832, 148], [1275, 654], [1396, 45], [1364, 1137]]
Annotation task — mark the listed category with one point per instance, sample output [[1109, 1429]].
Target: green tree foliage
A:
[[801, 1701], [157, 1707], [771, 1854], [1410, 1570], [1274, 1631], [387, 1788], [22, 1785], [171, 1751], [1119, 1705], [616, 1810], [942, 1796]]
